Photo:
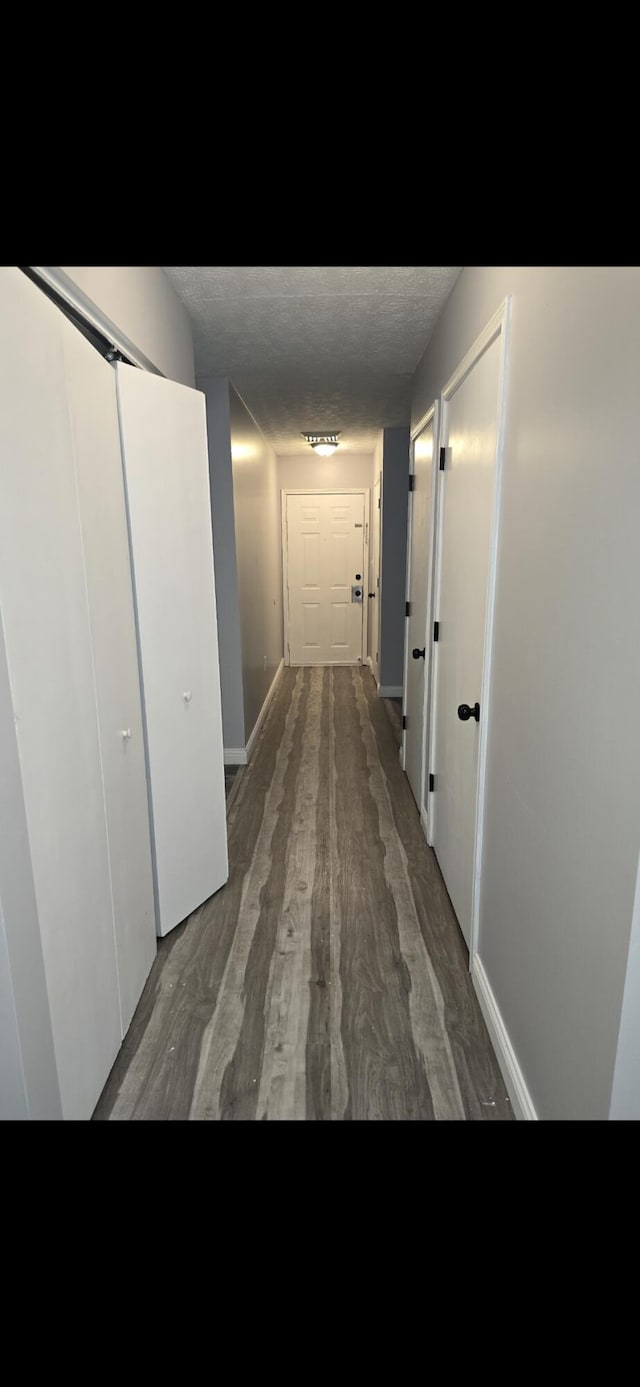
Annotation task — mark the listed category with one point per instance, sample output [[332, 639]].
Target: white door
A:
[[416, 636], [466, 507], [325, 578], [93, 413], [164, 445], [374, 582], [43, 601]]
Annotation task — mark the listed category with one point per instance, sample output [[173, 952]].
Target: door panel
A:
[[167, 484], [43, 598], [420, 500], [466, 503], [93, 412], [325, 548]]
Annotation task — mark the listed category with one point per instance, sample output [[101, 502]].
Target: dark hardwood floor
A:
[[328, 980]]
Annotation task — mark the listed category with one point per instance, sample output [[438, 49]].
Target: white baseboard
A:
[[235, 756], [505, 1054], [424, 820], [263, 712], [370, 664], [389, 690]]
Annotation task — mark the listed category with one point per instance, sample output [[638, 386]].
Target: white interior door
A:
[[417, 638], [43, 598], [466, 508], [325, 578], [374, 582], [164, 445], [93, 412]]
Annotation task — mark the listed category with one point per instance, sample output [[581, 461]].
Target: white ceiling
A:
[[315, 347]]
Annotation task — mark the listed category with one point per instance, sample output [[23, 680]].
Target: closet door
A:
[[164, 446], [43, 599], [93, 411]]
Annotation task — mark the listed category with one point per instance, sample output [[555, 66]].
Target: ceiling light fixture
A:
[[324, 444]]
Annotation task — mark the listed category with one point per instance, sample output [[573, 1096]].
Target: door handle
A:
[[371, 594], [465, 712], [419, 654]]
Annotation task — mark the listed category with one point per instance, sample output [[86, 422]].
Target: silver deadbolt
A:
[[356, 593]]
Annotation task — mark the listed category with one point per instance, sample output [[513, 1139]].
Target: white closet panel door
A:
[[93, 409], [164, 445], [43, 597]]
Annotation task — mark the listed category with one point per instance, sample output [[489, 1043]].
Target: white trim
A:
[[365, 492], [421, 424], [494, 327], [521, 1099], [375, 519], [432, 417], [370, 664], [431, 615], [424, 821], [264, 709], [389, 690], [498, 324], [92, 314], [235, 756]]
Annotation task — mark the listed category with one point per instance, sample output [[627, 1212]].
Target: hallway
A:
[[328, 979]]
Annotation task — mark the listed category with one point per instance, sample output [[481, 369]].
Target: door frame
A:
[[498, 326], [375, 518], [363, 491], [432, 414]]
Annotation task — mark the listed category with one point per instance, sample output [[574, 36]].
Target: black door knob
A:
[[419, 654], [465, 712]]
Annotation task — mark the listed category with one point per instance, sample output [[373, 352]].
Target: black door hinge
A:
[[407, 609], [412, 481], [443, 454], [404, 723], [378, 503], [432, 782], [436, 630]]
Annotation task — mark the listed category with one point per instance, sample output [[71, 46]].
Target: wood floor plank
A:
[[318, 1039], [385, 1074], [329, 979], [231, 1050]]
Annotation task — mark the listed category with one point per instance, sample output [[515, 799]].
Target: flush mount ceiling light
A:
[[324, 444]]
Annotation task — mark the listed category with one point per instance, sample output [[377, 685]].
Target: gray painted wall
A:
[[216, 392], [393, 555], [562, 824], [256, 501], [140, 301]]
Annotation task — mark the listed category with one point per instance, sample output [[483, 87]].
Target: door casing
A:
[[432, 416], [498, 326]]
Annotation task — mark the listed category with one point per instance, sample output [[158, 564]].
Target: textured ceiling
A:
[[315, 348]]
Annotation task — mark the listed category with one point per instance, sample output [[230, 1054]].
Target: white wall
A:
[[216, 391], [340, 470], [143, 305], [562, 824], [259, 557]]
